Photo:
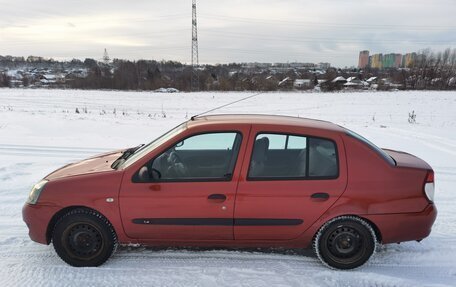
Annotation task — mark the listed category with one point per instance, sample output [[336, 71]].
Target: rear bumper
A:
[[402, 227], [37, 218]]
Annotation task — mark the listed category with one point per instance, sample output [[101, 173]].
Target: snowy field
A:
[[41, 131]]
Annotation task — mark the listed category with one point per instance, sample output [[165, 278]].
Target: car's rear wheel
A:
[[84, 238], [345, 242]]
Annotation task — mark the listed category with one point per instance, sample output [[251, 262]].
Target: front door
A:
[[288, 181], [186, 192]]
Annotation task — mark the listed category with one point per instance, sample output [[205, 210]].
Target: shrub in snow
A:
[[412, 117]]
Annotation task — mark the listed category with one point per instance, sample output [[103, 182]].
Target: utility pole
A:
[[195, 60]]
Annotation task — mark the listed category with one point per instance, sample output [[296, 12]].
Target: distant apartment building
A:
[[409, 60], [376, 61], [398, 62], [389, 61], [323, 66], [363, 59], [385, 61]]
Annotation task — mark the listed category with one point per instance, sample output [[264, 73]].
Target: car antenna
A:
[[225, 105]]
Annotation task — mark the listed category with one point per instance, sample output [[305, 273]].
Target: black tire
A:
[[345, 242], [84, 238]]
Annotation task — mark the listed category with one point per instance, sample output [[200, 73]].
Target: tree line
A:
[[430, 70]]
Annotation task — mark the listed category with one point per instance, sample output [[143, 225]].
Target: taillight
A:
[[429, 186]]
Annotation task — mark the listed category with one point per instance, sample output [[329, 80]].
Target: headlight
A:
[[36, 191]]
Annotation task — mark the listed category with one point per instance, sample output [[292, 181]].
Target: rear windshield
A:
[[373, 147]]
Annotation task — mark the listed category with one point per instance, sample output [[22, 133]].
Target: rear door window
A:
[[287, 156]]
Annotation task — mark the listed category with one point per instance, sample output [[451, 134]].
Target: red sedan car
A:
[[238, 181]]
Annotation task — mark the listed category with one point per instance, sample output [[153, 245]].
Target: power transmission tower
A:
[[195, 60], [106, 58]]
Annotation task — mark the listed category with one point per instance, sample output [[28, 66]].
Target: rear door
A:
[[191, 192], [289, 179]]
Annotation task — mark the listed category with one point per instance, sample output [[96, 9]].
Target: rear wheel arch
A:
[[378, 234]]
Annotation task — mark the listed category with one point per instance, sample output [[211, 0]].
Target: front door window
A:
[[203, 157]]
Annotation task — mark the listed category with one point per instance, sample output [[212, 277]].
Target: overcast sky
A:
[[229, 31]]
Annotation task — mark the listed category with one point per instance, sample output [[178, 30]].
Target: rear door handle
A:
[[320, 196], [217, 197]]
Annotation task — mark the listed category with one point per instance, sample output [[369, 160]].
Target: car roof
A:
[[262, 119]]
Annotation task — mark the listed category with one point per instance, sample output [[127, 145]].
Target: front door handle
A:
[[217, 197], [320, 196]]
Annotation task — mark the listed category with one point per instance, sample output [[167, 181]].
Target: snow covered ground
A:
[[41, 131]]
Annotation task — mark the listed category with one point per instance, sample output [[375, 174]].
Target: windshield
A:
[[375, 148], [152, 145]]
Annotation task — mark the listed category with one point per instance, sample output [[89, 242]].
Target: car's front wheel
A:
[[84, 238], [345, 242]]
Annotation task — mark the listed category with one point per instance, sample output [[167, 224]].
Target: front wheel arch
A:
[[62, 212]]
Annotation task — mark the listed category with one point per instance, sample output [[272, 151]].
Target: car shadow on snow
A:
[[126, 249]]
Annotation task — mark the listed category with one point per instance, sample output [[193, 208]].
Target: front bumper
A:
[[402, 227], [37, 218]]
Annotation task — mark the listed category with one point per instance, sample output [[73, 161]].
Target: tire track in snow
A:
[[433, 141], [222, 268]]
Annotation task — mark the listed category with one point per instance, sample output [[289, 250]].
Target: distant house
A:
[[16, 83], [15, 74], [47, 79], [302, 83], [16, 77], [284, 81], [452, 82], [166, 90], [386, 84], [355, 83], [339, 80], [319, 72], [334, 84], [232, 73], [50, 79], [372, 80], [78, 73]]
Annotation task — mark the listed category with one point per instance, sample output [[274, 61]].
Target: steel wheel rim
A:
[[83, 241], [345, 244]]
